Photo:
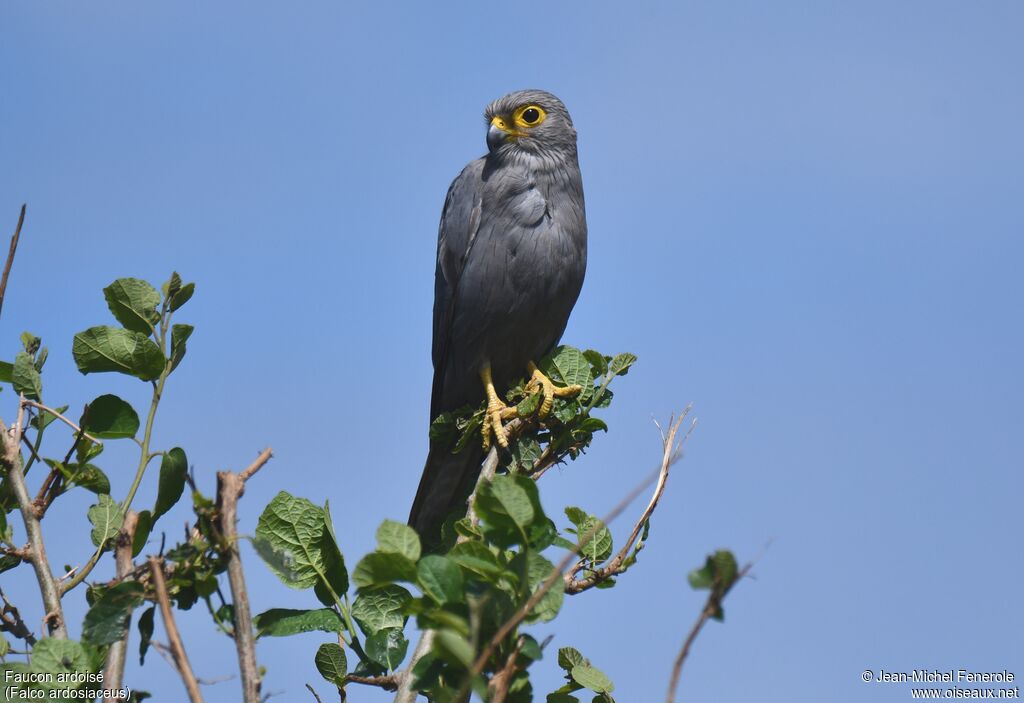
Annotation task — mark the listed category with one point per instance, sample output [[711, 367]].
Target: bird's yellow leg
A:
[[548, 390], [497, 412]]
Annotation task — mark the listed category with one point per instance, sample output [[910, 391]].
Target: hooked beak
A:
[[498, 134]]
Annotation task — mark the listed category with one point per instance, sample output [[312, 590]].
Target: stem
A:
[[113, 672], [144, 455], [48, 586], [229, 490]]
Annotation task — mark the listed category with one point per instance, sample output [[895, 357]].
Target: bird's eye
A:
[[530, 115]]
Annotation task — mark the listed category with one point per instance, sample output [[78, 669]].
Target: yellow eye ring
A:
[[529, 116]]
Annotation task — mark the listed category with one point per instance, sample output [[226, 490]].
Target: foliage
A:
[[497, 562]]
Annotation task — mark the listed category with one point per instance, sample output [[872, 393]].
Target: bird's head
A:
[[531, 121]]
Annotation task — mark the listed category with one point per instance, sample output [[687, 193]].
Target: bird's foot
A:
[[539, 383], [497, 413]]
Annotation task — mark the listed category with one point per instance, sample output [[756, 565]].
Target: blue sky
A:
[[807, 218]]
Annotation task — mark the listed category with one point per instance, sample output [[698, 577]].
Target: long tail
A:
[[448, 479]]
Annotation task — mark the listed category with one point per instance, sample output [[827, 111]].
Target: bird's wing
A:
[[460, 221]]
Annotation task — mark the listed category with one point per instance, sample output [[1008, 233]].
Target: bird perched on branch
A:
[[511, 256]]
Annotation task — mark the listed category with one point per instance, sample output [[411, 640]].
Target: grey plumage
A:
[[511, 256]]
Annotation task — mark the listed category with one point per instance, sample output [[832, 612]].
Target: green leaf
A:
[[290, 538], [173, 471], [331, 663], [383, 568], [171, 287], [25, 377], [142, 529], [476, 557], [505, 498], [46, 417], [334, 564], [598, 361], [6, 372], [133, 302], [182, 296], [538, 570], [387, 647], [593, 678], [62, 657], [281, 622], [179, 335], [381, 608], [599, 546], [88, 476], [397, 538], [440, 578], [145, 632], [5, 647], [525, 452], [109, 417], [106, 518], [620, 364], [529, 405], [569, 657], [31, 343], [561, 697], [453, 647], [107, 620], [100, 349], [569, 365]]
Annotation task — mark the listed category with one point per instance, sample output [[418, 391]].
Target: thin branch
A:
[[315, 694], [69, 423], [10, 621], [556, 573], [256, 465], [48, 587], [230, 487], [670, 454], [113, 672], [10, 256], [177, 648], [712, 606], [501, 681], [388, 683]]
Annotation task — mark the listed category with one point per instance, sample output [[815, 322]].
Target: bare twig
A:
[[670, 454], [10, 256], [712, 606], [315, 694], [174, 638], [48, 587], [256, 465], [230, 487], [113, 672], [69, 423], [10, 621]]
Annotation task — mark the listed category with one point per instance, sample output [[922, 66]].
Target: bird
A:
[[511, 259]]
